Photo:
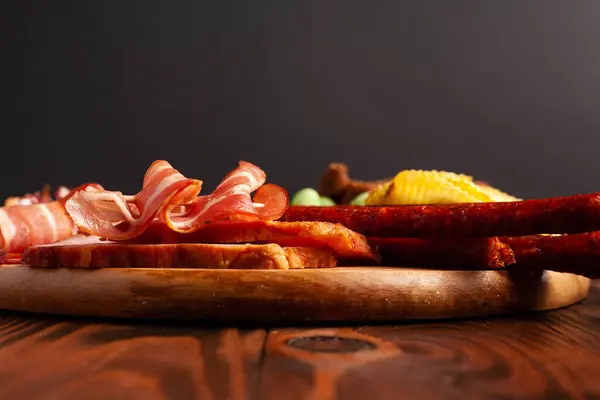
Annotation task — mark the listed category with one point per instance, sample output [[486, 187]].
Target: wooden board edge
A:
[[348, 294]]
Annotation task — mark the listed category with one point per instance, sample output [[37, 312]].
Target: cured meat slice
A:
[[231, 201], [97, 211], [173, 198], [217, 256], [575, 253], [573, 214], [345, 243], [24, 226], [444, 253]]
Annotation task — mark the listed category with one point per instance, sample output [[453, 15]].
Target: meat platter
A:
[[419, 245]]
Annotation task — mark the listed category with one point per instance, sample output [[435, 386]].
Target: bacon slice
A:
[[476, 253], [165, 194], [24, 226], [168, 195], [114, 216], [231, 201], [346, 244], [218, 256]]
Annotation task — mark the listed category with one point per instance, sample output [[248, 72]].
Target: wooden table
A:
[[553, 355]]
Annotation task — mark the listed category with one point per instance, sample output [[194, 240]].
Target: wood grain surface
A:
[[352, 294], [546, 355], [69, 359]]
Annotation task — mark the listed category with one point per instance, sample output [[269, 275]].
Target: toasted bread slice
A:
[[346, 244], [92, 253]]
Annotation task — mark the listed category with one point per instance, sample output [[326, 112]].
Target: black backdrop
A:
[[508, 91]]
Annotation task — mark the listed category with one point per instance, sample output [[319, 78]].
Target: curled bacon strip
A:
[[114, 216], [168, 195], [35, 219], [231, 200], [32, 219], [24, 226]]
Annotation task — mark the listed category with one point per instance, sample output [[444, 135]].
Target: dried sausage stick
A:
[[576, 253], [470, 253], [574, 214]]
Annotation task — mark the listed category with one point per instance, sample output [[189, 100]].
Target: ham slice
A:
[[24, 226], [91, 253], [346, 244]]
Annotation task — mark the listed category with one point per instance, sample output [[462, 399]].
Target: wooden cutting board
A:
[[349, 294]]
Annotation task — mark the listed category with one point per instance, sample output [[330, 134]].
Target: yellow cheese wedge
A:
[[433, 187]]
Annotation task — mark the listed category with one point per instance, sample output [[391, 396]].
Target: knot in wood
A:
[[330, 344]]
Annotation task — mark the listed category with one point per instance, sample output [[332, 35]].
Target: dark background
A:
[[508, 91]]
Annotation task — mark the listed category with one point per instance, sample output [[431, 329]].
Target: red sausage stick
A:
[[574, 214], [578, 253], [470, 253]]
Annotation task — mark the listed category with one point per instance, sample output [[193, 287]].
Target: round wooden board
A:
[[349, 294]]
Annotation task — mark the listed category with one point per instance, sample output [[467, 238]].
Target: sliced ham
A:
[[218, 256], [347, 245]]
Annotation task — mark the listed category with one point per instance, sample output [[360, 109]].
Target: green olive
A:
[[326, 201], [360, 199], [306, 197]]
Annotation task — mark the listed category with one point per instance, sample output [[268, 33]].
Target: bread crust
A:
[[183, 255]]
